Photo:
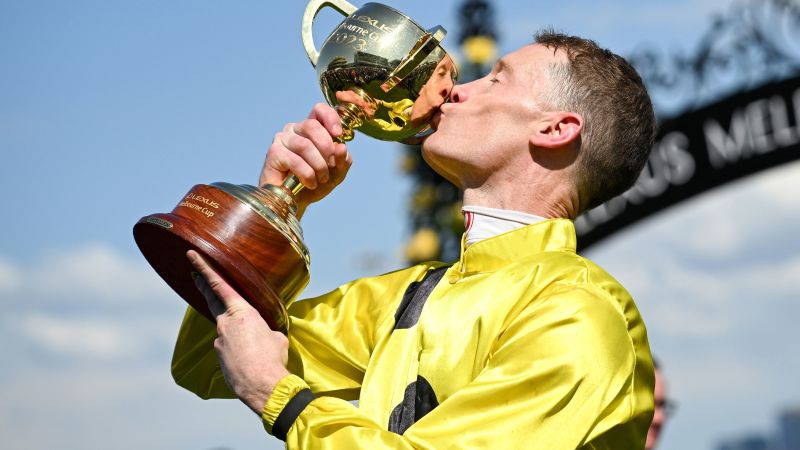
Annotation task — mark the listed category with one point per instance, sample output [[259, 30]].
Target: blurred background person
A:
[[664, 407]]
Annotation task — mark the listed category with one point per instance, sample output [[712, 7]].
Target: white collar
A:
[[482, 223]]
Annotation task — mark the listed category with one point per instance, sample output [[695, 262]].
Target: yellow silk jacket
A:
[[522, 344]]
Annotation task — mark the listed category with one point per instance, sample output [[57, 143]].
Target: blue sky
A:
[[112, 110]]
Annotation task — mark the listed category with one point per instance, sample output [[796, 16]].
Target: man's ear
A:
[[557, 129]]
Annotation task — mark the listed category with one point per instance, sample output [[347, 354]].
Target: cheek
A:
[[511, 127], [468, 124], [474, 128]]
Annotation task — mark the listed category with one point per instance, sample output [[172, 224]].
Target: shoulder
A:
[[568, 294], [605, 327], [575, 279]]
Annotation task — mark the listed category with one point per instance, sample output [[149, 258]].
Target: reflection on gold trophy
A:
[[386, 76]]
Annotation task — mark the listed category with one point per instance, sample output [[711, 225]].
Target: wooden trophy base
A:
[[242, 235]]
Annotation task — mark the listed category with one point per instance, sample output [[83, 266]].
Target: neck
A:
[[521, 186]]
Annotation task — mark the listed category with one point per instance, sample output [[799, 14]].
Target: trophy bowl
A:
[[386, 76]]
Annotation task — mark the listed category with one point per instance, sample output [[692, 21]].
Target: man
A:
[[662, 406], [521, 344]]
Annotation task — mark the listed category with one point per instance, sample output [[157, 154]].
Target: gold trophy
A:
[[386, 76]]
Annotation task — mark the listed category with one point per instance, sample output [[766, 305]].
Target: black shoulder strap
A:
[[416, 294]]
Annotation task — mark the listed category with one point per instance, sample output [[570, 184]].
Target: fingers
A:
[[328, 117], [306, 149], [221, 297], [339, 163], [215, 305]]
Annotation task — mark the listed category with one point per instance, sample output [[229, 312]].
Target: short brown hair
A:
[[619, 123]]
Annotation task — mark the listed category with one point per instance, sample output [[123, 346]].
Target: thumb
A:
[[221, 297]]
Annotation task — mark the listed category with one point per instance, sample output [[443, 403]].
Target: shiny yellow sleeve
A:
[[194, 361], [331, 338], [561, 375]]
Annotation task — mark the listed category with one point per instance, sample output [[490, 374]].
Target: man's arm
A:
[[306, 149], [331, 338], [252, 357]]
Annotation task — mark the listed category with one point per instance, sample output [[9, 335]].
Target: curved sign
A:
[[702, 149]]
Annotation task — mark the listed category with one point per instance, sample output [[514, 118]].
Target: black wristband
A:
[[290, 412]]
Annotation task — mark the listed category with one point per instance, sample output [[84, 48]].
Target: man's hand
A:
[[307, 150], [252, 357]]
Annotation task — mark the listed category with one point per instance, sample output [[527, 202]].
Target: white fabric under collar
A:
[[482, 222]]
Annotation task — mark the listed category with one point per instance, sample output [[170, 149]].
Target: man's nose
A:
[[459, 93]]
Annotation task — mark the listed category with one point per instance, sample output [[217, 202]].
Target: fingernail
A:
[[331, 161], [337, 129]]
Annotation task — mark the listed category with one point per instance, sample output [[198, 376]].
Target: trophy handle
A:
[[312, 9], [426, 44]]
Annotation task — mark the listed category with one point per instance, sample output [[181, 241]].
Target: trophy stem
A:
[[292, 184], [352, 117]]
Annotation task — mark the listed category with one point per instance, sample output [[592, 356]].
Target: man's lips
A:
[[436, 119]]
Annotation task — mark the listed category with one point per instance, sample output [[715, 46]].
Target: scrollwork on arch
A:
[[753, 43]]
